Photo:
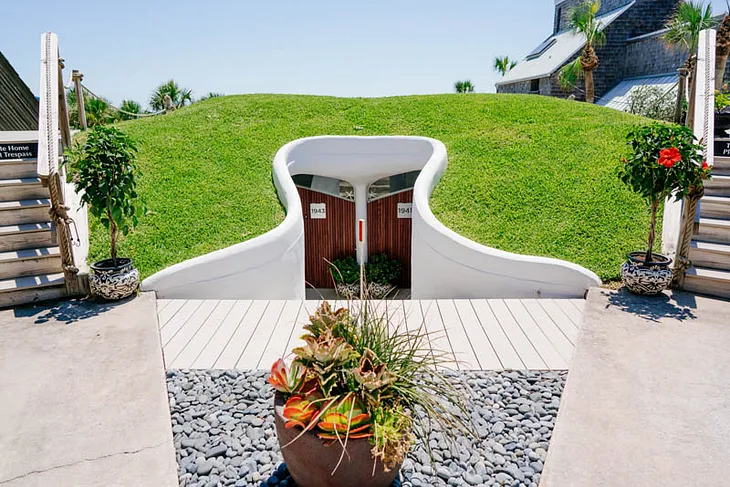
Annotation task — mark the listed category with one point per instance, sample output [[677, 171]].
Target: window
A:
[[535, 85], [392, 184], [544, 46], [322, 184], [558, 18]]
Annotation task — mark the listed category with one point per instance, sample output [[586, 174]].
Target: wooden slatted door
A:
[[329, 234], [389, 230]]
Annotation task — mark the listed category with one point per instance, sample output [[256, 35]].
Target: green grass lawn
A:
[[527, 174]]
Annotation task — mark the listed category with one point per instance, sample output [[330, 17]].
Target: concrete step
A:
[[715, 207], [714, 230], [22, 189], [30, 262], [718, 186], [721, 166], [31, 289], [18, 168], [711, 255], [24, 211], [713, 282], [25, 236]]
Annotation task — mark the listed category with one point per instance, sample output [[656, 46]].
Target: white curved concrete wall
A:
[[445, 265]]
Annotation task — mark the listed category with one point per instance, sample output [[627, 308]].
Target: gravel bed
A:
[[223, 428]]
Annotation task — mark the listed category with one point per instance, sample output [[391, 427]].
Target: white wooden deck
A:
[[484, 334]]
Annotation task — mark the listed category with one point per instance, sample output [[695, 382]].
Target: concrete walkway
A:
[[647, 401], [83, 396]]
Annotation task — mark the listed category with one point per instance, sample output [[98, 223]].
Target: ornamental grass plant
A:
[[357, 377]]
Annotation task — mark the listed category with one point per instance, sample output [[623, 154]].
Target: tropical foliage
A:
[[211, 94], [653, 102], [128, 107], [683, 30], [722, 50], [503, 64], [365, 379], [379, 269], [103, 170], [180, 96], [465, 86], [584, 22], [665, 161]]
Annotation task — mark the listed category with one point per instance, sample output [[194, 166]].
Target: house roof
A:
[[619, 96], [19, 105], [561, 47]]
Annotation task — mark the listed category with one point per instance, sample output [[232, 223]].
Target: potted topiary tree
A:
[[665, 161], [358, 391], [103, 170]]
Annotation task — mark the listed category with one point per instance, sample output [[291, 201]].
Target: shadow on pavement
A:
[[654, 308], [69, 311]]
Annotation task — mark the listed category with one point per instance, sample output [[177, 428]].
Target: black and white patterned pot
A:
[[113, 282], [646, 278]]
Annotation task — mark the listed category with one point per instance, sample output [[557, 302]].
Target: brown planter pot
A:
[[311, 462]]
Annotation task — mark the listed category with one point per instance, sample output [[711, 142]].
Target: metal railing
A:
[[53, 121]]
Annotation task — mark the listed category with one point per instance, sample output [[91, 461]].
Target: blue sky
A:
[[369, 48]]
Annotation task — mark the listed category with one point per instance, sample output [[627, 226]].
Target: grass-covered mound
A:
[[526, 174]]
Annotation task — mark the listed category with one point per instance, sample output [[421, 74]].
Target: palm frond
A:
[[684, 27], [569, 74]]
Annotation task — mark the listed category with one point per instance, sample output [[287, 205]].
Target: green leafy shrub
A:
[[665, 160], [104, 172], [345, 271], [381, 269], [653, 102]]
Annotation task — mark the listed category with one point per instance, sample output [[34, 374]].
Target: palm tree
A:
[[722, 50], [683, 30], [98, 112], [129, 106], [180, 96], [465, 86], [211, 94], [583, 21], [503, 64]]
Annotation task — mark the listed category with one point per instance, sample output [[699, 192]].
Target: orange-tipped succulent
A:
[[289, 381], [347, 419], [299, 411]]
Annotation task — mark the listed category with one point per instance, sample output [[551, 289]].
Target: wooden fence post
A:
[[77, 76]]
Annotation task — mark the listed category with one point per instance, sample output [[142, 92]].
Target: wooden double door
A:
[[329, 232]]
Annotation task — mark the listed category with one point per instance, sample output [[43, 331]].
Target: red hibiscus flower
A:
[[669, 157], [705, 166]]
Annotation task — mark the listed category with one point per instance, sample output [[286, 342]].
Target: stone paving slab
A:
[[647, 400], [83, 396]]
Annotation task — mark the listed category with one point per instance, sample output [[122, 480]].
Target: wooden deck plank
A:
[[186, 357], [309, 307], [183, 336], [164, 316], [274, 349], [561, 319], [501, 343], [534, 333], [254, 350], [483, 350], [236, 345], [569, 309], [434, 325], [208, 356], [397, 315], [413, 315], [179, 320], [550, 329], [517, 337], [458, 340], [162, 303], [580, 304]]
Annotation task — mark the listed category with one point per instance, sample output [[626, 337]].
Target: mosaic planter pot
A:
[[113, 282], [348, 290], [646, 278], [379, 291], [311, 460], [352, 290]]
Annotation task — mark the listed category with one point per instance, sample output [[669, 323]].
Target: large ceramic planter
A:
[[311, 460], [348, 290], [646, 278], [111, 281]]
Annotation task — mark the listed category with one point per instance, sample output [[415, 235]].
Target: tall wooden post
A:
[[77, 76], [680, 95]]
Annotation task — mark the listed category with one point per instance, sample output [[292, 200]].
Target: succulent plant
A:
[[299, 410], [326, 322], [370, 376], [346, 419], [289, 381]]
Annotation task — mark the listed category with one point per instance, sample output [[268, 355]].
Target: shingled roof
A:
[[18, 105]]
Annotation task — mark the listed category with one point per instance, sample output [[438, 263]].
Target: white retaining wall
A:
[[445, 264]]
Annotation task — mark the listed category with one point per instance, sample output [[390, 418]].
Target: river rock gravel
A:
[[223, 428]]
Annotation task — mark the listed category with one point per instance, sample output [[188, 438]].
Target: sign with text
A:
[[722, 148], [405, 210], [317, 211], [19, 150]]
